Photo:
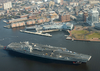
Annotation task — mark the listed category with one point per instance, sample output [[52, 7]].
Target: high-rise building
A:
[[7, 5], [85, 15], [64, 17], [93, 17]]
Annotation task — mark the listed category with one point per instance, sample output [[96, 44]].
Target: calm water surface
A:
[[13, 63]]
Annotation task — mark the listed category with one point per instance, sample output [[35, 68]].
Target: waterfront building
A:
[[64, 26], [68, 26], [7, 5], [30, 22], [17, 20], [41, 20], [17, 24], [64, 17], [93, 17]]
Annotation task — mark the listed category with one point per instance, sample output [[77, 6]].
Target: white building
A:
[[93, 17], [64, 26], [57, 1], [68, 26], [39, 2], [7, 5]]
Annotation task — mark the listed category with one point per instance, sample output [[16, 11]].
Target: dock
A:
[[50, 30], [37, 33], [8, 26]]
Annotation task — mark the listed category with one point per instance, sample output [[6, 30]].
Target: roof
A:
[[42, 8], [53, 14]]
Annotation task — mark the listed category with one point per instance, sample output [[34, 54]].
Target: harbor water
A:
[[9, 62]]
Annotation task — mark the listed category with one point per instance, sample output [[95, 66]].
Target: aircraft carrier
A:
[[47, 52]]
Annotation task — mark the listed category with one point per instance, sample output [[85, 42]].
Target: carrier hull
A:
[[41, 59]]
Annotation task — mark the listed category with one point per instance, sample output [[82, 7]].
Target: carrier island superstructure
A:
[[47, 52]]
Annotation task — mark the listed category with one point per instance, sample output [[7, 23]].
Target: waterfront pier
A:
[[37, 33], [49, 30]]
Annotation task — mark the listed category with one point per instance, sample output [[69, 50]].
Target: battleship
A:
[[47, 52]]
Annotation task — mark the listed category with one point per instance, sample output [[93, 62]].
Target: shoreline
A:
[[74, 39]]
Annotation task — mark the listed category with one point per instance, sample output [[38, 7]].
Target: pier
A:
[[8, 26], [50, 30], [37, 33]]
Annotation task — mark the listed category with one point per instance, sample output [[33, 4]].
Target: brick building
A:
[[85, 15], [64, 17]]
